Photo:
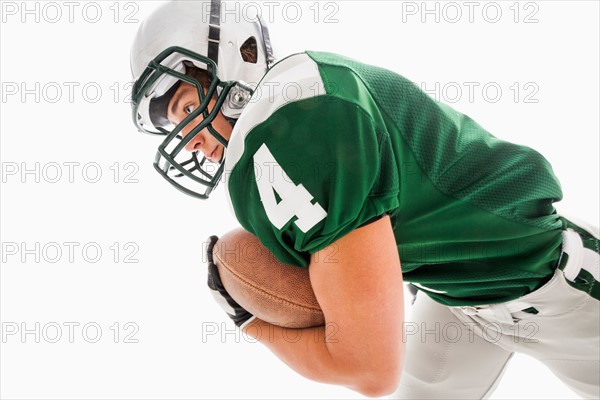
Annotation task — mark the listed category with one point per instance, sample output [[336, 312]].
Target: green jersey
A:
[[327, 143]]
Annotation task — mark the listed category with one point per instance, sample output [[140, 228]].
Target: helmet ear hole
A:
[[249, 51]]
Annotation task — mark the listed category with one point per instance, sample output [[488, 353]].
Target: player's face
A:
[[184, 101]]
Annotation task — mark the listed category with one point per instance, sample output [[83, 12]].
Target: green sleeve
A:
[[315, 170]]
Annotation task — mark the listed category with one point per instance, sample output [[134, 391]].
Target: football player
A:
[[319, 153]]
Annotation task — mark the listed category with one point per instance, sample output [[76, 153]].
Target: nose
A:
[[197, 142]]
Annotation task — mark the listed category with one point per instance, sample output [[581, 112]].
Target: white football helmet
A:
[[177, 35]]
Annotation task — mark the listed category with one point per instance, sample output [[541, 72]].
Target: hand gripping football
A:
[[272, 291]]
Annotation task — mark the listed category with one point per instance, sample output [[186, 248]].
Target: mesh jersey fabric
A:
[[473, 215]]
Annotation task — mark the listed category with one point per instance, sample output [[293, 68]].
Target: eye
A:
[[188, 109]]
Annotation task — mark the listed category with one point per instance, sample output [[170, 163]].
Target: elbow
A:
[[378, 376], [378, 389], [379, 384]]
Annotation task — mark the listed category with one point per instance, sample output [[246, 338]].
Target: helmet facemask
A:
[[180, 32], [192, 173]]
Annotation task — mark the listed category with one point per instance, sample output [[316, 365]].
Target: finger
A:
[[212, 240], [214, 279], [224, 303]]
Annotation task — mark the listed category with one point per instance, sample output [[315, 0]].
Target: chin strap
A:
[[270, 58], [214, 31], [214, 35]]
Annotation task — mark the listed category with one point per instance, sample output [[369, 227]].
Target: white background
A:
[[164, 293]]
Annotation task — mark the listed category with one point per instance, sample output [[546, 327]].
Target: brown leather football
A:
[[277, 293]]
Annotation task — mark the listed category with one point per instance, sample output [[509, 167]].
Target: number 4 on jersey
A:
[[295, 199]]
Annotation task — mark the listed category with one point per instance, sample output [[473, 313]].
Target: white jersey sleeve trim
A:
[[292, 79]]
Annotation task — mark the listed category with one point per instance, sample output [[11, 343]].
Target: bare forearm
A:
[[306, 351], [363, 350]]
